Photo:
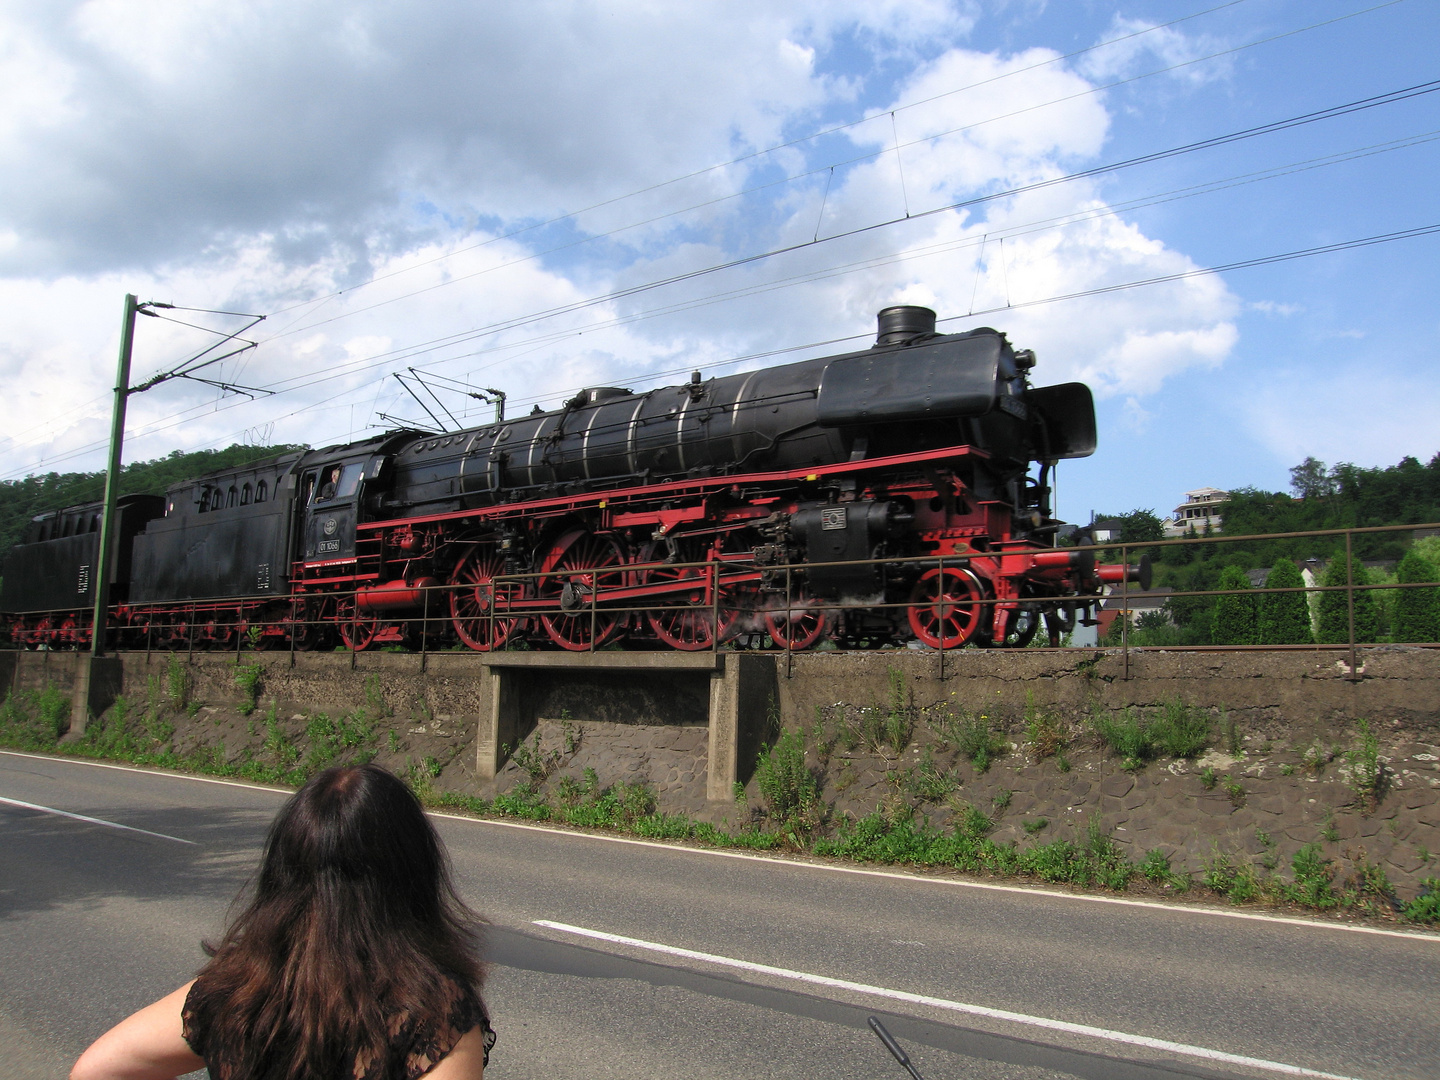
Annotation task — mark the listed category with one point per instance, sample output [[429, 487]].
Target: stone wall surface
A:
[[1290, 718]]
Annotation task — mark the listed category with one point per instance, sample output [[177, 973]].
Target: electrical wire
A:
[[798, 141], [1289, 123], [532, 344], [293, 329], [1265, 260]]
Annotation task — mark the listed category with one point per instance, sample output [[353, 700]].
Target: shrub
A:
[[1285, 617], [787, 783], [1417, 611], [1425, 908], [1334, 610], [1236, 618], [247, 678], [1366, 770], [1127, 734], [1180, 730]]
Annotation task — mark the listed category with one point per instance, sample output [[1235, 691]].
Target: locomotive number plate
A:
[[327, 546], [832, 518]]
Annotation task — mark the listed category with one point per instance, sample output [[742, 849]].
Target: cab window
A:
[[338, 482]]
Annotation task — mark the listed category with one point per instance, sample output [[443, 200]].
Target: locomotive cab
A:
[[335, 485]]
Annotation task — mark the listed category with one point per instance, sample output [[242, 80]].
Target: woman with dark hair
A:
[[354, 960]]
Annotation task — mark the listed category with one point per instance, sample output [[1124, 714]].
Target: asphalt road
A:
[[96, 921]]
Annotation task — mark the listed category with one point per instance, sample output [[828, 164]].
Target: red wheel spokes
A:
[[945, 607], [799, 628], [471, 607], [689, 625], [579, 566], [357, 628]]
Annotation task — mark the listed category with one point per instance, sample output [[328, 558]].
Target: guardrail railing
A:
[[731, 603]]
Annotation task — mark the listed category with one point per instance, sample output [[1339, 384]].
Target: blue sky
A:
[[469, 188]]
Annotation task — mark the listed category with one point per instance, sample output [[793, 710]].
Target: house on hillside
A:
[[1199, 511], [1130, 605]]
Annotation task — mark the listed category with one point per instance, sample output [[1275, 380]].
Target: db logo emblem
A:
[[329, 526]]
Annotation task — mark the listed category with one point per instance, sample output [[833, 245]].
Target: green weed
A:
[[925, 781], [1045, 733], [247, 678], [1425, 908], [177, 683], [1366, 772], [789, 786], [1313, 873], [973, 735], [1179, 731]]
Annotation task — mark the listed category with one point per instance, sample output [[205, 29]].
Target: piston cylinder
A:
[[396, 595]]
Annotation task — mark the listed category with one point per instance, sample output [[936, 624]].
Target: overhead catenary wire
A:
[[797, 141], [531, 344], [320, 301], [1361, 242], [1273, 127], [456, 279]]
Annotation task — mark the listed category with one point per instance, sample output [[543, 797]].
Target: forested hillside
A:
[[20, 500], [1345, 496]]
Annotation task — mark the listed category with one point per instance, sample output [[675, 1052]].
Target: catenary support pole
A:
[[112, 480]]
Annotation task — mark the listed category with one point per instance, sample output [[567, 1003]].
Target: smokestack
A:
[[904, 323]]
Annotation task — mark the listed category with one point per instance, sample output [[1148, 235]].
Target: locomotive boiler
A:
[[881, 496]]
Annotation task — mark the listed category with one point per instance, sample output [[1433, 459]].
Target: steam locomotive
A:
[[883, 496]]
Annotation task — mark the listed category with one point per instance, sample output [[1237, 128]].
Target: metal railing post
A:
[[293, 632], [1350, 600], [789, 634], [1125, 607], [425, 633], [940, 595], [490, 613], [190, 638], [714, 607]]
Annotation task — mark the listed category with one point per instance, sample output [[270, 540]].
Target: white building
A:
[[1201, 508]]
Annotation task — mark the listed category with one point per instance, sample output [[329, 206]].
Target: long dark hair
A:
[[354, 928]]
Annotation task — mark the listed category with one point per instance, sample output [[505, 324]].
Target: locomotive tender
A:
[[876, 497]]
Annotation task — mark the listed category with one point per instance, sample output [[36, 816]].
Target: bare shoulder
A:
[[465, 1061], [147, 1045]]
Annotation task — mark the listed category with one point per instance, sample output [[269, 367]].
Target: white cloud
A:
[[1145, 46], [252, 156], [1299, 415]]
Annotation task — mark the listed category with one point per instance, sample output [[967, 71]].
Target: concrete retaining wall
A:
[[690, 726]]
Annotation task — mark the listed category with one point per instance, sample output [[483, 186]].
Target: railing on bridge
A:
[[726, 604]]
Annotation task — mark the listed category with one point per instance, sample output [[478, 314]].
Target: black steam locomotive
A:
[[874, 497]]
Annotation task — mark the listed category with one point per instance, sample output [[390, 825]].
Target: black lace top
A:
[[414, 1047]]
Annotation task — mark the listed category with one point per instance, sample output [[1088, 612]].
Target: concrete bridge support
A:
[[740, 687]]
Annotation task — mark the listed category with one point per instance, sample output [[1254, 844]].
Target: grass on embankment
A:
[[792, 820]]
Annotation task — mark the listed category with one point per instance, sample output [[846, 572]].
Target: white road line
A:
[[956, 883], [830, 868], [952, 1006], [93, 820], [147, 772]]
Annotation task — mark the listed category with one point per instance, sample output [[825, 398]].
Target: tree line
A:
[[21, 500], [1321, 497]]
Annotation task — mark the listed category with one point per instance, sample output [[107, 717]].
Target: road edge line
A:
[[1123, 1037]]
